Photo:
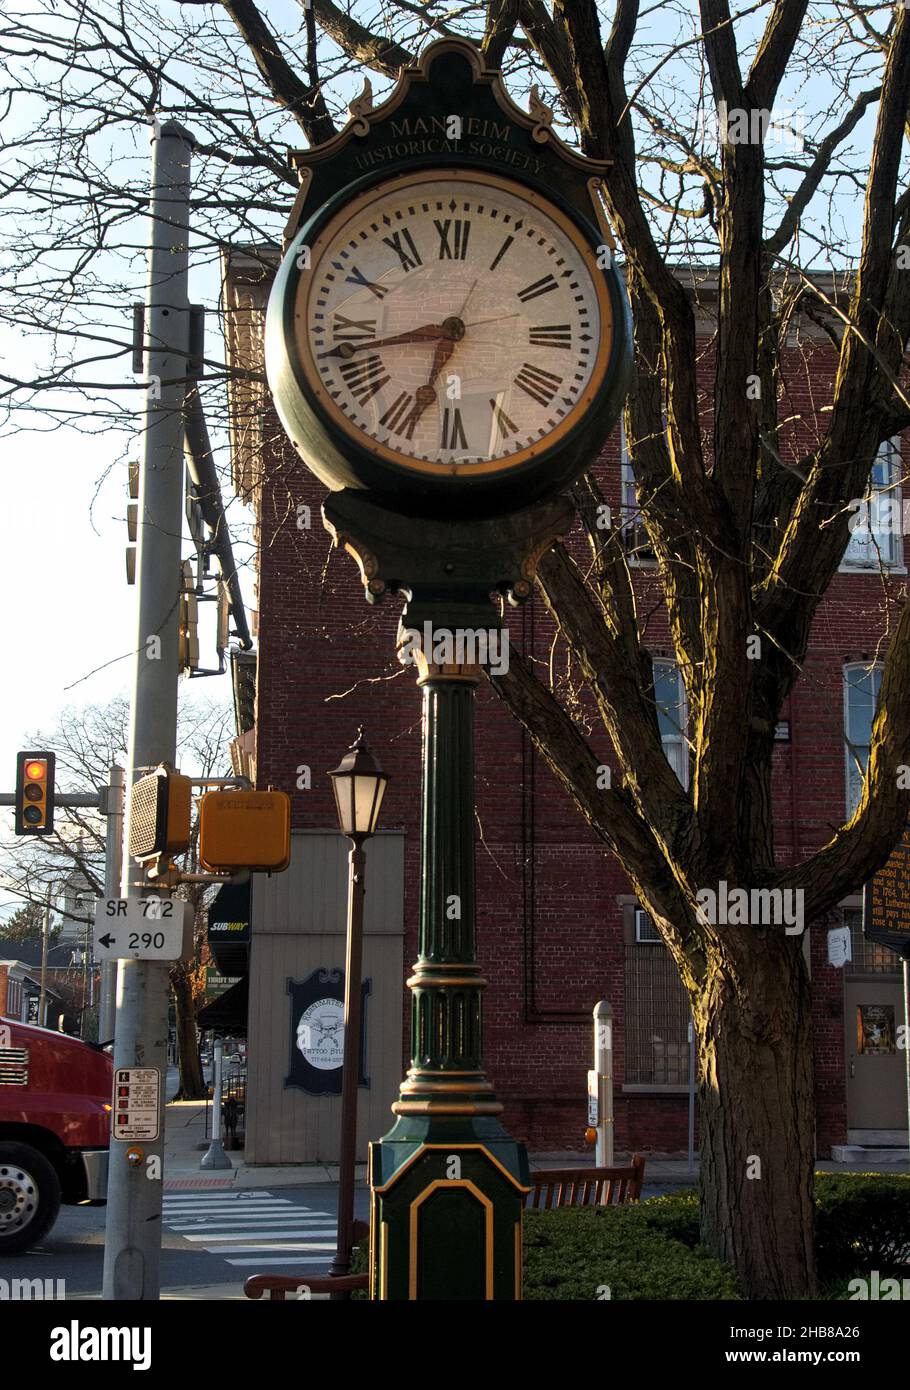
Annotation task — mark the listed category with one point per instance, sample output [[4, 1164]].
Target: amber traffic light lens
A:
[[33, 793], [35, 771]]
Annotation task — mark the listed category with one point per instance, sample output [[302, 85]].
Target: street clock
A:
[[448, 329]]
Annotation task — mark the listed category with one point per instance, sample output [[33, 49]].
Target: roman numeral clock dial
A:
[[453, 324]]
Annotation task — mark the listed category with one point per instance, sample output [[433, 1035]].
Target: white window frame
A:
[[632, 527], [646, 934], [676, 746], [850, 772], [871, 549]]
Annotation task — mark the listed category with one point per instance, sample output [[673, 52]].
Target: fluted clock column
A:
[[448, 1183]]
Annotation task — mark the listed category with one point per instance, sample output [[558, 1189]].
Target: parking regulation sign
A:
[[136, 1113]]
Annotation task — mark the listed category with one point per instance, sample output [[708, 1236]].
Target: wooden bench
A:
[[581, 1187], [550, 1189], [277, 1285]]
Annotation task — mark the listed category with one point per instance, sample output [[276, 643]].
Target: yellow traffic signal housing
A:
[[245, 830], [34, 804], [160, 806]]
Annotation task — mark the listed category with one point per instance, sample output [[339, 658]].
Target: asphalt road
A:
[[209, 1237]]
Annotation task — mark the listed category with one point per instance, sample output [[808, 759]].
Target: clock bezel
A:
[[503, 465], [335, 455]]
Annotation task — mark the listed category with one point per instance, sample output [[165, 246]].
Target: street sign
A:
[[593, 1080], [136, 1114], [143, 929]]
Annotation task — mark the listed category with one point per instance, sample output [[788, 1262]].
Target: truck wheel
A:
[[29, 1197]]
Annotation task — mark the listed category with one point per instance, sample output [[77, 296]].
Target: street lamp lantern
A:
[[359, 784]]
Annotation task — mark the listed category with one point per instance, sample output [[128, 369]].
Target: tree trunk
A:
[[757, 1113], [192, 1086]]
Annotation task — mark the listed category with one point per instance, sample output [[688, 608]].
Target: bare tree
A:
[[747, 536], [88, 741]]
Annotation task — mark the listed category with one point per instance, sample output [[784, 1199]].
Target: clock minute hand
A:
[[428, 333]]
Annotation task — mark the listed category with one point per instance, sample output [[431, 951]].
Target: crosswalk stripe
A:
[[267, 1214], [219, 1227], [221, 1199], [243, 1250], [231, 1211], [261, 1235], [283, 1260]]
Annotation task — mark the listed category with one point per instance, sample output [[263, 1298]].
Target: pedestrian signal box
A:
[[245, 830], [34, 793], [160, 807]]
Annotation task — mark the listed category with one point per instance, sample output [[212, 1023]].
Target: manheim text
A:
[[463, 646]]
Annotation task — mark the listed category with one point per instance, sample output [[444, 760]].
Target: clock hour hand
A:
[[426, 394], [428, 333]]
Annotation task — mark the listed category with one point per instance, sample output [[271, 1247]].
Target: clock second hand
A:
[[501, 318]]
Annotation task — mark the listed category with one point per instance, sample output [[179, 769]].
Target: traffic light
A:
[[160, 813], [245, 830], [35, 793]]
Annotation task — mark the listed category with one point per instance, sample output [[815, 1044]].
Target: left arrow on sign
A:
[[107, 941]]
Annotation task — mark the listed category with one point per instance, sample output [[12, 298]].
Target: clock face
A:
[[453, 323]]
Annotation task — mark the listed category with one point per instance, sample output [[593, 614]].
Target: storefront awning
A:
[[227, 1014]]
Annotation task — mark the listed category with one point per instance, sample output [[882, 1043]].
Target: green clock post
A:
[[448, 345]]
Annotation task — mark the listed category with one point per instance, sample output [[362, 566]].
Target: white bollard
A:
[[215, 1157], [603, 1065]]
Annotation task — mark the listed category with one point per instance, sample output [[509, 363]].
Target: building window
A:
[[876, 538], [656, 1031], [672, 716], [645, 930], [861, 687], [632, 526], [867, 957]]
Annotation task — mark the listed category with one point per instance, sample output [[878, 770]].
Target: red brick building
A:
[[558, 927]]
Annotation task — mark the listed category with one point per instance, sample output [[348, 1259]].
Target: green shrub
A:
[[577, 1252], [652, 1251], [862, 1222], [675, 1215]]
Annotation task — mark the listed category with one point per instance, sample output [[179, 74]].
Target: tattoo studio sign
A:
[[316, 1023]]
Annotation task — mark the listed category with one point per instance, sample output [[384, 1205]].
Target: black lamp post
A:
[[359, 784]]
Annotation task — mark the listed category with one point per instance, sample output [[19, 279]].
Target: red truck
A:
[[55, 1123]]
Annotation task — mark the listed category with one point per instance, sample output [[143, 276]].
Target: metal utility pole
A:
[[907, 1042], [113, 873], [133, 1242], [353, 973], [45, 932]]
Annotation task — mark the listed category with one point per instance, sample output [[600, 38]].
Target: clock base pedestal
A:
[[447, 1196]]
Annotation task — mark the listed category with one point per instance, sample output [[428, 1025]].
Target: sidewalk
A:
[[185, 1145]]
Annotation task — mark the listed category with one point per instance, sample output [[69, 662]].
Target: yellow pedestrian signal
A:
[[34, 793], [160, 807], [245, 830]]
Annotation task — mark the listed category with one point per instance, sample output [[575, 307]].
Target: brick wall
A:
[[550, 933]]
